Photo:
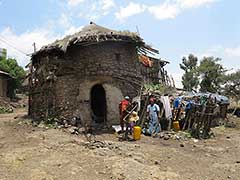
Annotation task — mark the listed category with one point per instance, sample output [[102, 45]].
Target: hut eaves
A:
[[94, 33]]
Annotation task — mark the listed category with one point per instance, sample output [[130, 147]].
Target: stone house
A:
[[5, 79], [86, 75]]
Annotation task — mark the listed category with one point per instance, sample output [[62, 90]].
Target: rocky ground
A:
[[28, 152]]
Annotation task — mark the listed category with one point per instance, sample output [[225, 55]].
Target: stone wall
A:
[[114, 65]]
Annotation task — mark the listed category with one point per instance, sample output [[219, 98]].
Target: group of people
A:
[[129, 116], [185, 108], [162, 112]]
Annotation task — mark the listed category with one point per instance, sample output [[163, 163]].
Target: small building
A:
[[86, 75], [3, 53], [5, 79]]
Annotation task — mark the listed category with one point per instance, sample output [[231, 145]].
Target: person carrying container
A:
[[123, 110]]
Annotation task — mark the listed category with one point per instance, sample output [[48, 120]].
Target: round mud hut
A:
[[85, 76]]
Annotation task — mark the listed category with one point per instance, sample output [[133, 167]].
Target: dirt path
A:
[[28, 152]]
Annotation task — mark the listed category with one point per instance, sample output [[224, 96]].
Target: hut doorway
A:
[[98, 104]]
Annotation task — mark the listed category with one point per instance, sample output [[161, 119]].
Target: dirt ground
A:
[[28, 152]]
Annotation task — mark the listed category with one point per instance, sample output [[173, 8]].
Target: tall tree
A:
[[190, 76], [211, 74]]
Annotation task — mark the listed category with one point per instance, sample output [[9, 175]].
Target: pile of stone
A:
[[181, 135], [5, 106]]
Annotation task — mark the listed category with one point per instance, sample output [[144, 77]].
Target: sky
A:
[[175, 27]]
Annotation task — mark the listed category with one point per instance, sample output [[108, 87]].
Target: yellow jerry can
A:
[[176, 126], [137, 132]]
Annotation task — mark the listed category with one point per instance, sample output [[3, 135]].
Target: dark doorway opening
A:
[[98, 103]]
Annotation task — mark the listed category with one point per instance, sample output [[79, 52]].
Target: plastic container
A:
[[137, 132], [176, 126]]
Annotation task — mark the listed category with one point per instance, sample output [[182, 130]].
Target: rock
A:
[[208, 155], [228, 137], [161, 135], [130, 155], [60, 126], [166, 137], [137, 146], [74, 121], [195, 140], [156, 162], [102, 172], [72, 130], [238, 162], [177, 137], [102, 153], [181, 145], [81, 130]]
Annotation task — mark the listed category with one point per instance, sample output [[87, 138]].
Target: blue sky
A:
[[175, 27]]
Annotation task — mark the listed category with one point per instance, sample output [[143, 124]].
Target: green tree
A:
[[11, 66], [211, 73], [232, 85], [190, 76]]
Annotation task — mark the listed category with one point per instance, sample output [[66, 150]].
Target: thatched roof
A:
[[92, 34]]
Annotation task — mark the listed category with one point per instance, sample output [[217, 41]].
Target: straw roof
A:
[[92, 34]]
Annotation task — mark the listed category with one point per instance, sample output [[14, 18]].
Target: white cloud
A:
[[193, 3], [168, 9], [73, 3], [164, 11], [24, 42], [234, 52], [94, 9], [64, 21], [130, 10], [72, 30], [107, 4]]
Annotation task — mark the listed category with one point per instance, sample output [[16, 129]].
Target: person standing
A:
[[123, 110], [153, 114], [177, 104]]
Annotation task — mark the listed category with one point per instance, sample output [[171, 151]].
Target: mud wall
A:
[[113, 65], [3, 87]]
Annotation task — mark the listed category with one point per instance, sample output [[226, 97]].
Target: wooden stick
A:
[[130, 112], [144, 111]]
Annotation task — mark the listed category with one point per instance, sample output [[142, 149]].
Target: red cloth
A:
[[122, 109], [146, 61], [123, 105]]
